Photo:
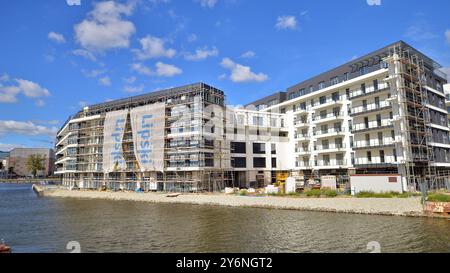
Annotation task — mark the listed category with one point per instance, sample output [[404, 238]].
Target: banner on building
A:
[[113, 131], [147, 123]]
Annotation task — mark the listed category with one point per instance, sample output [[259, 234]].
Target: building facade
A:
[[382, 113], [18, 158]]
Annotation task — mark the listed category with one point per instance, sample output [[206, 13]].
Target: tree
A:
[[35, 164]]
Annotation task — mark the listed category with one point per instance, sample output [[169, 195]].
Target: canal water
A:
[[32, 224]]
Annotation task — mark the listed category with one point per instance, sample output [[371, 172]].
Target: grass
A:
[[243, 192], [391, 194], [313, 193], [330, 193], [438, 197]]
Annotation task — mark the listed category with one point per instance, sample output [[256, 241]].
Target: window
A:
[[273, 122], [274, 162], [338, 143], [379, 120], [380, 138], [259, 162], [393, 135], [311, 89], [334, 80], [377, 102], [347, 92], [366, 122], [238, 162], [382, 160], [259, 121], [375, 85], [363, 88], [322, 100], [259, 148], [325, 145], [369, 156], [322, 85], [238, 148], [335, 96], [368, 139], [273, 148], [303, 106]]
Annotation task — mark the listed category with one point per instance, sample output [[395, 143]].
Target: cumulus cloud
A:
[[130, 80], [141, 69], [104, 81], [153, 47], [201, 54], [104, 28], [240, 73], [85, 54], [249, 54], [73, 2], [134, 89], [25, 128], [207, 3], [374, 2], [56, 37], [167, 70], [8, 94], [286, 22]]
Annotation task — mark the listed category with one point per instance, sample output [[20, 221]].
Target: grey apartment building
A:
[[381, 113]]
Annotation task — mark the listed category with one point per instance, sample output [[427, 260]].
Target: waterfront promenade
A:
[[375, 206]]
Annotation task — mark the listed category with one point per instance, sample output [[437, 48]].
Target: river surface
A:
[[32, 224]]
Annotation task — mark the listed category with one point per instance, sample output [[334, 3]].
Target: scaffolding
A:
[[411, 117]]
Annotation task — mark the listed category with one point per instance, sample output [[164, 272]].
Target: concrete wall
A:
[[376, 183]]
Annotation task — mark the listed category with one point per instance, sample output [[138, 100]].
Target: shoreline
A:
[[410, 207]]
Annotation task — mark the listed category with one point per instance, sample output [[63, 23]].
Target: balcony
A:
[[375, 143], [302, 151], [301, 137], [329, 132], [369, 91], [330, 148], [303, 164], [333, 163], [301, 123], [373, 163], [328, 103], [329, 117], [374, 107], [372, 126]]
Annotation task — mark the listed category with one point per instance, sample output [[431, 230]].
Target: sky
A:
[[57, 56]]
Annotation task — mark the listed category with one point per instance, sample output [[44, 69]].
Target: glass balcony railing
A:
[[369, 90], [332, 162], [331, 146], [370, 107], [329, 115], [373, 143], [329, 131], [371, 125]]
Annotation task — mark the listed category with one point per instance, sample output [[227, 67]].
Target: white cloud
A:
[[40, 103], [85, 54], [153, 47], [240, 73], [130, 80], [249, 54], [4, 77], [167, 70], [192, 38], [105, 28], [8, 94], [73, 2], [420, 30], [82, 104], [201, 54], [93, 73], [56, 37], [374, 2], [447, 35], [141, 69], [31, 89], [25, 128], [134, 89], [207, 3], [104, 81], [286, 22]]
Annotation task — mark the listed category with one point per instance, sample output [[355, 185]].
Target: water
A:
[[32, 224]]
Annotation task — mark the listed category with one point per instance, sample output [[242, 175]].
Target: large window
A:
[[259, 162], [274, 162], [238, 148], [259, 148], [238, 162]]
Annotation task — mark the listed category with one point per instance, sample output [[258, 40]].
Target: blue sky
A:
[[57, 56]]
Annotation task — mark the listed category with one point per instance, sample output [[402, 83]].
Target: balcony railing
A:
[[328, 101], [329, 131], [329, 115], [370, 107], [377, 162], [302, 164], [371, 125], [369, 90], [331, 146], [332, 162], [299, 136], [302, 150], [373, 143]]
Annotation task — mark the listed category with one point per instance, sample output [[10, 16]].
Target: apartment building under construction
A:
[[383, 113]]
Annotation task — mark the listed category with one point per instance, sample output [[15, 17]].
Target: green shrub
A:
[[243, 192], [314, 193], [330, 193], [371, 194], [438, 197]]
